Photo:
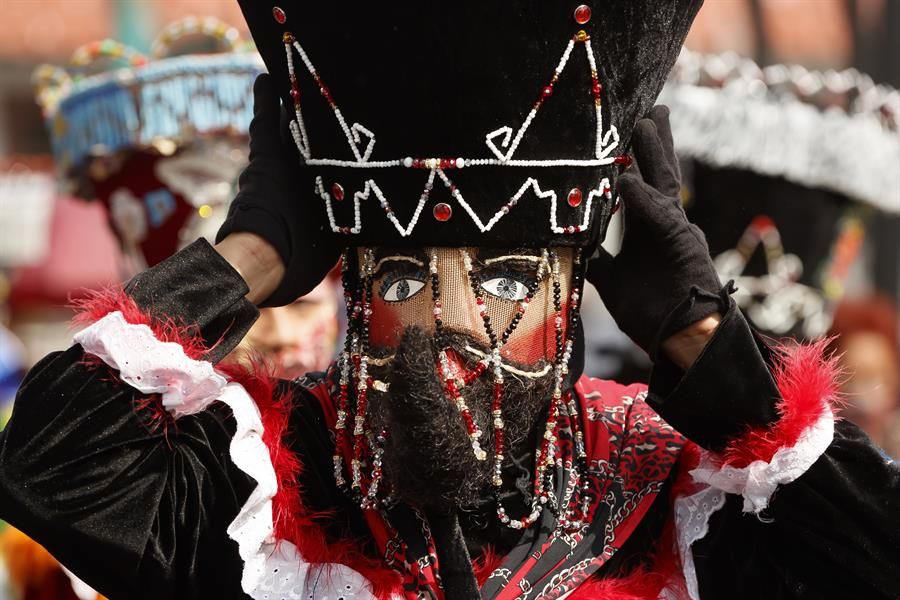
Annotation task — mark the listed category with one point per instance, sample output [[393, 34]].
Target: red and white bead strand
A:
[[451, 387]]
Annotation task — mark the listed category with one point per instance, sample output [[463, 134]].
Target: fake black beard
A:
[[428, 458]]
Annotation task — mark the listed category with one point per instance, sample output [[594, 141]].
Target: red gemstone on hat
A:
[[337, 191], [281, 17], [597, 88], [548, 91], [442, 211], [582, 14], [624, 160], [575, 197], [295, 94]]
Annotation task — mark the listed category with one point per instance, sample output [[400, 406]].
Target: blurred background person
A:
[[785, 115], [301, 337], [865, 336]]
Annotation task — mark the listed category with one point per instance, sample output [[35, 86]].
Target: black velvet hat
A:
[[466, 124], [768, 170], [787, 247]]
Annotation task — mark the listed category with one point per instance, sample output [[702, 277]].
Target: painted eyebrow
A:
[[528, 257], [491, 255], [400, 254], [399, 258]]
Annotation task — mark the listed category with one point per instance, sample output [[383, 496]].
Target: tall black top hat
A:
[[479, 123]]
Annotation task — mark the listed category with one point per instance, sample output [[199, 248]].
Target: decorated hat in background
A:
[[775, 293], [159, 140], [835, 130], [455, 124], [784, 169]]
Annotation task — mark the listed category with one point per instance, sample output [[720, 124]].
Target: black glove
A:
[[271, 204], [663, 279]]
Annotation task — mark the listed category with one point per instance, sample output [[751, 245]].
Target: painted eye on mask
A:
[[505, 288], [400, 289]]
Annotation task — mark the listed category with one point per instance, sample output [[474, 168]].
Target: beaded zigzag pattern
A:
[[502, 143]]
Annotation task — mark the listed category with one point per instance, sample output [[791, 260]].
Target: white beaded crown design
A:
[[502, 145]]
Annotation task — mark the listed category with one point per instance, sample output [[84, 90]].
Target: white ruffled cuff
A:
[[756, 483], [187, 387], [272, 568]]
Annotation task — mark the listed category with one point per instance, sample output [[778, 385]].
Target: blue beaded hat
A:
[[158, 102], [159, 141]]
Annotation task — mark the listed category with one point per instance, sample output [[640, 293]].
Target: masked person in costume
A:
[[454, 450]]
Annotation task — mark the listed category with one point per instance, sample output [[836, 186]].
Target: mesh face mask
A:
[[403, 296], [518, 308]]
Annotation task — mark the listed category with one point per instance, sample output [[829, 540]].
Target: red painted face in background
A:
[[402, 296]]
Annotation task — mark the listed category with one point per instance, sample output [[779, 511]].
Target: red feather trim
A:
[[808, 381], [486, 564], [98, 304], [684, 484], [293, 521]]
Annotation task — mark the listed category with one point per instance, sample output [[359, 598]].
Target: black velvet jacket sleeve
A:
[[832, 533], [136, 510], [728, 389]]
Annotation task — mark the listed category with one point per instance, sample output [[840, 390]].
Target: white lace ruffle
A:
[[82, 590], [253, 526], [289, 577], [756, 483], [187, 386], [273, 569]]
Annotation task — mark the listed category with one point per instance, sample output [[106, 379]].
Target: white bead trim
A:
[[759, 119], [354, 134], [469, 162], [531, 183], [397, 258], [297, 126], [510, 369], [609, 142]]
